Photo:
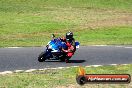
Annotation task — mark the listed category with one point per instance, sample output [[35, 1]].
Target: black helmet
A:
[[69, 35]]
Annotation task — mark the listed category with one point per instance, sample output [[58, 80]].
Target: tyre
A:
[[41, 57], [81, 80], [62, 60], [67, 60]]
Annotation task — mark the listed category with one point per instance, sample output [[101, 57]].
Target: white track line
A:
[[113, 64], [18, 71], [96, 65], [14, 47], [118, 46], [127, 47], [124, 64], [31, 70], [99, 45], [90, 45], [6, 72], [88, 66]]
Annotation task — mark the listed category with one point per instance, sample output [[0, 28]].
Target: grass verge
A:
[[30, 22], [61, 78]]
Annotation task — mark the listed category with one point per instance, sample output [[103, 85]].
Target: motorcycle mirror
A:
[[53, 35]]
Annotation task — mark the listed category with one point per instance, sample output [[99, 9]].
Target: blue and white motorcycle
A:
[[54, 50]]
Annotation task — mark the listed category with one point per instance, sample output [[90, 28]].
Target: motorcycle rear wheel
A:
[[67, 60]]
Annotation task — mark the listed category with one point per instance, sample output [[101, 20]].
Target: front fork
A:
[[48, 54]]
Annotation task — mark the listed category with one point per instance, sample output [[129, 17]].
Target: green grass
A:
[[33, 5], [62, 78], [109, 36], [30, 22]]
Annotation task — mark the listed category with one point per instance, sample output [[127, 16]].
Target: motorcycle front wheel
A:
[[41, 57]]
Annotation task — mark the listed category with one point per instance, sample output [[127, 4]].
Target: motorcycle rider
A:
[[70, 42], [69, 38]]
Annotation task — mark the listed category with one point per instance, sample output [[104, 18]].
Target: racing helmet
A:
[[69, 36]]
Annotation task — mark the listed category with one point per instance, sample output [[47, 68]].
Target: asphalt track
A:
[[26, 58]]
